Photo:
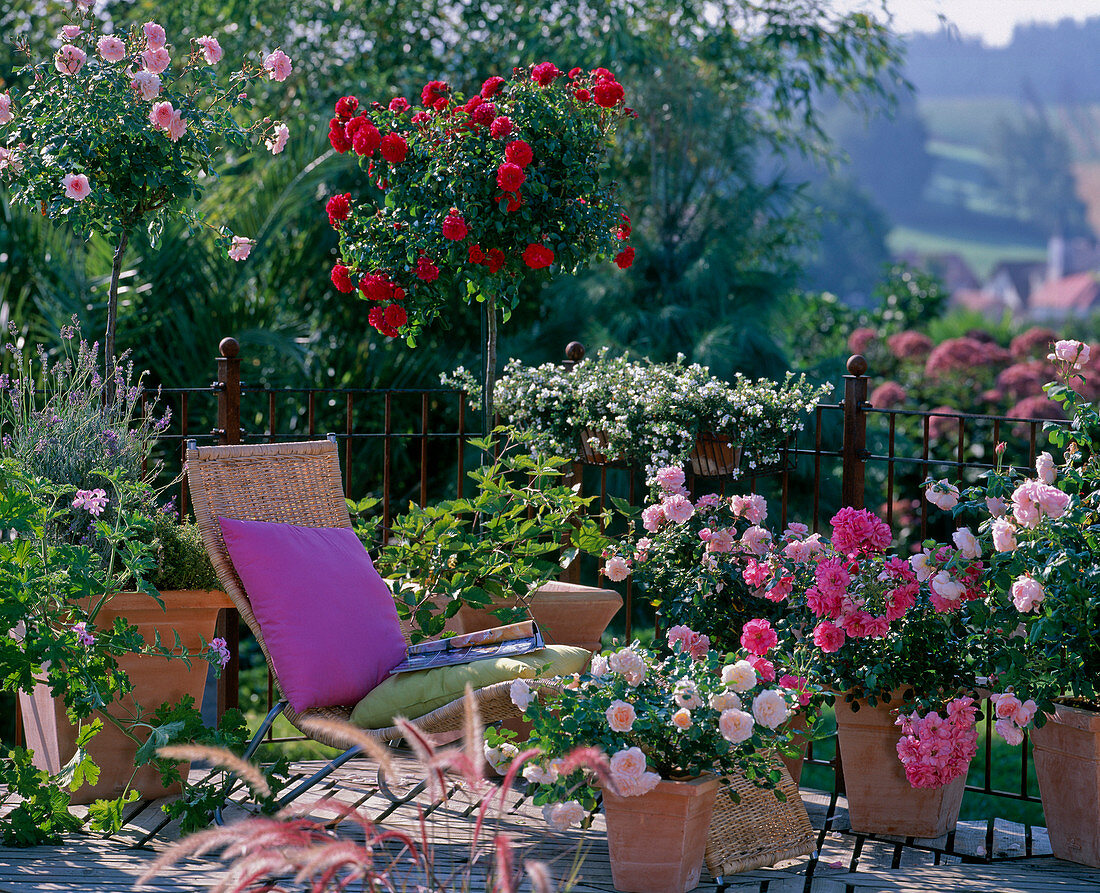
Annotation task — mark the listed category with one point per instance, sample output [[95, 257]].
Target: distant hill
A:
[[1058, 63]]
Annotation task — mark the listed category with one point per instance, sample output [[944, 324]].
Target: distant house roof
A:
[[1020, 273], [978, 300], [1070, 294]]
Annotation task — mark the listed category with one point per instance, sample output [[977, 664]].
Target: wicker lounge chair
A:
[[297, 483]]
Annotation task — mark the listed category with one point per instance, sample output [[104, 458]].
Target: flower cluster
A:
[[935, 750], [477, 191], [691, 712]]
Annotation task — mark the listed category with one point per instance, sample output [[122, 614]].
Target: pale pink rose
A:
[[756, 508], [241, 248], [620, 716], [682, 719], [69, 59], [756, 540], [796, 529], [629, 775], [1005, 705], [1025, 713], [643, 547], [769, 708], [616, 569], [111, 49], [720, 541], [678, 509], [947, 587], [735, 726], [1027, 593], [146, 83], [739, 676], [177, 127], [76, 187], [535, 774], [211, 49], [1004, 535], [1009, 731], [687, 695], [966, 543], [521, 694], [943, 495], [563, 816], [798, 550], [645, 784], [277, 141], [1044, 467], [154, 35], [277, 65], [160, 115], [5, 108], [71, 32], [996, 506], [671, 480], [1052, 501], [1025, 504], [629, 665], [156, 60], [653, 517], [725, 700], [598, 668], [1072, 352]]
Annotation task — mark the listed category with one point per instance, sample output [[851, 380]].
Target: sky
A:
[[992, 20]]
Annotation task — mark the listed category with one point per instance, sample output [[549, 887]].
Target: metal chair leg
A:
[[249, 751]]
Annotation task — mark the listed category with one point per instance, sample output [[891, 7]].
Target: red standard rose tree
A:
[[479, 193]]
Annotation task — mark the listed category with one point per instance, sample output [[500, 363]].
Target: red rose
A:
[[434, 91], [352, 127], [582, 95], [608, 94], [338, 207], [624, 229], [399, 104], [514, 200], [573, 72], [519, 153], [394, 148], [491, 87], [421, 117], [440, 105], [484, 114], [426, 270], [366, 139], [398, 293], [341, 279], [376, 318], [625, 258], [472, 103], [476, 255], [500, 128], [537, 256], [495, 259], [544, 73], [376, 287], [396, 316], [346, 106], [510, 176], [602, 74], [336, 136], [454, 227]]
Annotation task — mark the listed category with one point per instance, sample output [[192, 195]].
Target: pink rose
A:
[[156, 60], [947, 587], [211, 49], [943, 495], [1005, 705], [671, 480], [628, 773], [1052, 501], [277, 65], [277, 141], [827, 637], [756, 540], [620, 716], [653, 517], [797, 684], [71, 32], [76, 187], [69, 59], [735, 725], [111, 49], [1027, 593], [769, 709], [798, 550], [687, 695], [996, 506], [154, 35], [1009, 731], [147, 84], [1044, 467], [758, 637], [1025, 713], [966, 543], [682, 719], [1073, 352], [677, 508], [177, 127], [795, 529], [629, 665], [1004, 535], [765, 669], [5, 108], [720, 540], [160, 115], [241, 248], [616, 569]]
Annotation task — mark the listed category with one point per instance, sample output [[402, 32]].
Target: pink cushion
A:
[[327, 618]]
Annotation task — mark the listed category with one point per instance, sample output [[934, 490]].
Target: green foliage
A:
[[523, 524], [182, 562], [42, 814]]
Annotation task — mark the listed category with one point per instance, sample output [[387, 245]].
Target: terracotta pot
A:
[[714, 456], [880, 799], [656, 841], [797, 725], [567, 614], [156, 680], [1067, 763]]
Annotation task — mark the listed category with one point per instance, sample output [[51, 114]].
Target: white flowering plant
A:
[[693, 711], [118, 129], [651, 414]]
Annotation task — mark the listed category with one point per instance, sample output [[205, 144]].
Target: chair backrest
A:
[[289, 483]]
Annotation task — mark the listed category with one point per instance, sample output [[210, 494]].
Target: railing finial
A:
[[229, 347], [857, 365], [574, 351]]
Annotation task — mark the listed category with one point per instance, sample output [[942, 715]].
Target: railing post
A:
[[228, 387], [854, 451]]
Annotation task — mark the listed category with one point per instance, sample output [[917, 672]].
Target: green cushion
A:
[[414, 694]]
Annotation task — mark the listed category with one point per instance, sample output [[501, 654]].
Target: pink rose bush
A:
[[690, 712], [934, 749]]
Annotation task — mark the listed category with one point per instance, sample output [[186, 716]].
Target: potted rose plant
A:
[[478, 193], [675, 729], [171, 109], [1042, 626]]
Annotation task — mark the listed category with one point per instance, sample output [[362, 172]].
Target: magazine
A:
[[500, 641]]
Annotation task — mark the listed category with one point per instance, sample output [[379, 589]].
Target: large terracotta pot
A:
[[567, 614], [1067, 763], [880, 799], [156, 680], [657, 840]]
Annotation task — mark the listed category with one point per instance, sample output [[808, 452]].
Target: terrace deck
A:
[[980, 856]]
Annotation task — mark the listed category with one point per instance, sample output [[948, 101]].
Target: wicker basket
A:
[[715, 456], [591, 455], [760, 830]]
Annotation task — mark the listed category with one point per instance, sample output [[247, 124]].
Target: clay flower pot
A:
[[48, 732], [1067, 763], [880, 799], [657, 840]]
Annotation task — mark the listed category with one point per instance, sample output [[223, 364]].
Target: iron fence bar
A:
[[423, 450], [349, 420], [387, 460]]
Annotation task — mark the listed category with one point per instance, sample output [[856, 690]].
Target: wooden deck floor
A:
[[982, 857]]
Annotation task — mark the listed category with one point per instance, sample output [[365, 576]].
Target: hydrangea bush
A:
[[120, 127]]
